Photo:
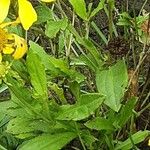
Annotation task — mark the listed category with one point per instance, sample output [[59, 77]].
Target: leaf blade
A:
[[137, 138], [80, 8], [112, 83], [48, 141], [84, 107], [37, 74]]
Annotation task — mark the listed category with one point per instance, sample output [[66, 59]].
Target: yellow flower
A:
[[47, 1], [11, 43], [20, 47], [26, 12], [4, 7]]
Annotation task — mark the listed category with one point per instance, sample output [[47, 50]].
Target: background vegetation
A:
[[84, 82]]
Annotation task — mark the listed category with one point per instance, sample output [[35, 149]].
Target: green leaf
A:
[[53, 27], [44, 14], [80, 8], [145, 39], [4, 106], [112, 83], [3, 87], [2, 148], [56, 66], [75, 89], [45, 58], [136, 138], [88, 138], [58, 91], [93, 57], [126, 112], [125, 19], [20, 68], [3, 123], [101, 35], [84, 107], [98, 8], [15, 29], [21, 126], [87, 61], [21, 95], [125, 15], [23, 98], [61, 44], [123, 22], [19, 107], [99, 123], [37, 73], [48, 141]]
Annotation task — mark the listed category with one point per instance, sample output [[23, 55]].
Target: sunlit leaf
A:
[[99, 123], [53, 27], [57, 67], [43, 14], [84, 107], [112, 83], [48, 141], [37, 73], [126, 112], [98, 8], [80, 8]]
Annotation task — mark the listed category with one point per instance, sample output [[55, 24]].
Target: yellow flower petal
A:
[[27, 14], [47, 1], [21, 47], [8, 50], [4, 7]]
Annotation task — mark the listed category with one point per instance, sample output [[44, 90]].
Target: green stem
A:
[[87, 29], [78, 132], [132, 142], [58, 5], [70, 37], [132, 124], [146, 107], [113, 26], [143, 55], [143, 7], [110, 21]]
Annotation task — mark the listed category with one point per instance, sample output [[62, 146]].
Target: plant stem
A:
[[70, 37], [58, 5], [78, 132], [142, 58], [87, 29], [146, 107], [110, 20], [143, 7]]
